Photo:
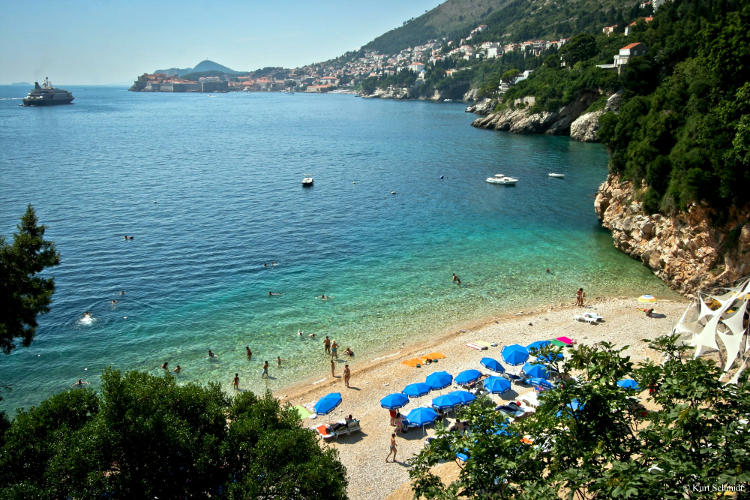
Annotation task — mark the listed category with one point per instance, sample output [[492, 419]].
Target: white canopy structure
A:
[[721, 316]]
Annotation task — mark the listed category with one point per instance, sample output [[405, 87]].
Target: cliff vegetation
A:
[[683, 131]]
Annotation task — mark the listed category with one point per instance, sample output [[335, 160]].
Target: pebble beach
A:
[[363, 453]]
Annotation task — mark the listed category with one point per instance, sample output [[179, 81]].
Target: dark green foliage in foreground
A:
[[609, 447], [23, 292], [684, 127], [147, 437]]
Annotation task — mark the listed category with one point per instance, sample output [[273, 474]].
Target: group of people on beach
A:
[[331, 348]]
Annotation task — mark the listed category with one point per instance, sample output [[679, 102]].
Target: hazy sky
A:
[[108, 41]]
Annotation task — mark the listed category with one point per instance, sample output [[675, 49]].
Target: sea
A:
[[226, 249]]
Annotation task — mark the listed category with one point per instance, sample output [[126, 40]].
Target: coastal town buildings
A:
[[346, 73]]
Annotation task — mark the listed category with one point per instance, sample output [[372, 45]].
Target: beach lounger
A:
[[341, 428], [585, 319], [530, 398], [476, 346]]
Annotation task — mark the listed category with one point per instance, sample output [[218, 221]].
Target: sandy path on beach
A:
[[364, 453]]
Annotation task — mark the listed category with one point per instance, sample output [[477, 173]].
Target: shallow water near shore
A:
[[209, 188]]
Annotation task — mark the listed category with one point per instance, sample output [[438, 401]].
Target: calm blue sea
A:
[[209, 187]]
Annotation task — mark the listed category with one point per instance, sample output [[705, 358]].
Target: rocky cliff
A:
[[687, 250], [570, 119]]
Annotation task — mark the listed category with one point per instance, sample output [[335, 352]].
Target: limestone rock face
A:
[[687, 250], [585, 128], [482, 107], [518, 121]]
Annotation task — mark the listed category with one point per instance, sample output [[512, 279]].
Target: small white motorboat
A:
[[558, 176], [502, 179], [307, 182]]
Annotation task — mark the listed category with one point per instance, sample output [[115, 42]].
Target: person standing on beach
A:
[[579, 297], [236, 382], [278, 361], [249, 353], [456, 279], [265, 370], [333, 368], [347, 375], [393, 448], [335, 350], [327, 344]]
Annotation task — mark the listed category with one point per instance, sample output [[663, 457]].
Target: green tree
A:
[[147, 437], [23, 292], [590, 438], [510, 75], [580, 47]]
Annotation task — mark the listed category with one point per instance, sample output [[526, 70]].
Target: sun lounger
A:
[[476, 346], [341, 428], [585, 319], [530, 398], [594, 315]]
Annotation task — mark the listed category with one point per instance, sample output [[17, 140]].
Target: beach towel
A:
[[483, 343], [413, 362], [476, 346], [434, 355], [565, 340]]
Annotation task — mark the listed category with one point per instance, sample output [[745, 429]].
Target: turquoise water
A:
[[209, 186]]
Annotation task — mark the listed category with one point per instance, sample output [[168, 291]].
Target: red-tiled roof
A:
[[631, 45]]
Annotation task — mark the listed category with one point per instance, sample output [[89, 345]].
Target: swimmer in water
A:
[[114, 302], [80, 383], [211, 354], [270, 294], [323, 297], [248, 352], [86, 314], [177, 369], [164, 365], [122, 292], [312, 335]]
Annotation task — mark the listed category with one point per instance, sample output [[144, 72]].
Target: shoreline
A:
[[382, 373]]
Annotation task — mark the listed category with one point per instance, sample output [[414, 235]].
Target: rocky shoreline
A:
[[689, 251], [571, 119]]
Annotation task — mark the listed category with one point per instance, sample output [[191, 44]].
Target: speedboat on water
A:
[[307, 182], [558, 176], [47, 95], [502, 179]]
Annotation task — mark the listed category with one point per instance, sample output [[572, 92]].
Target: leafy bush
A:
[[147, 437]]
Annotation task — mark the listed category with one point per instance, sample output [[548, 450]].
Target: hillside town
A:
[[345, 74], [335, 75]]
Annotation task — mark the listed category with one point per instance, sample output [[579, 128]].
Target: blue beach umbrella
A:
[[572, 407], [438, 380], [539, 344], [464, 396], [496, 385], [416, 390], [628, 383], [549, 357], [535, 370], [492, 364], [421, 416], [467, 376], [540, 383], [394, 401], [328, 403], [445, 401], [515, 354]]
